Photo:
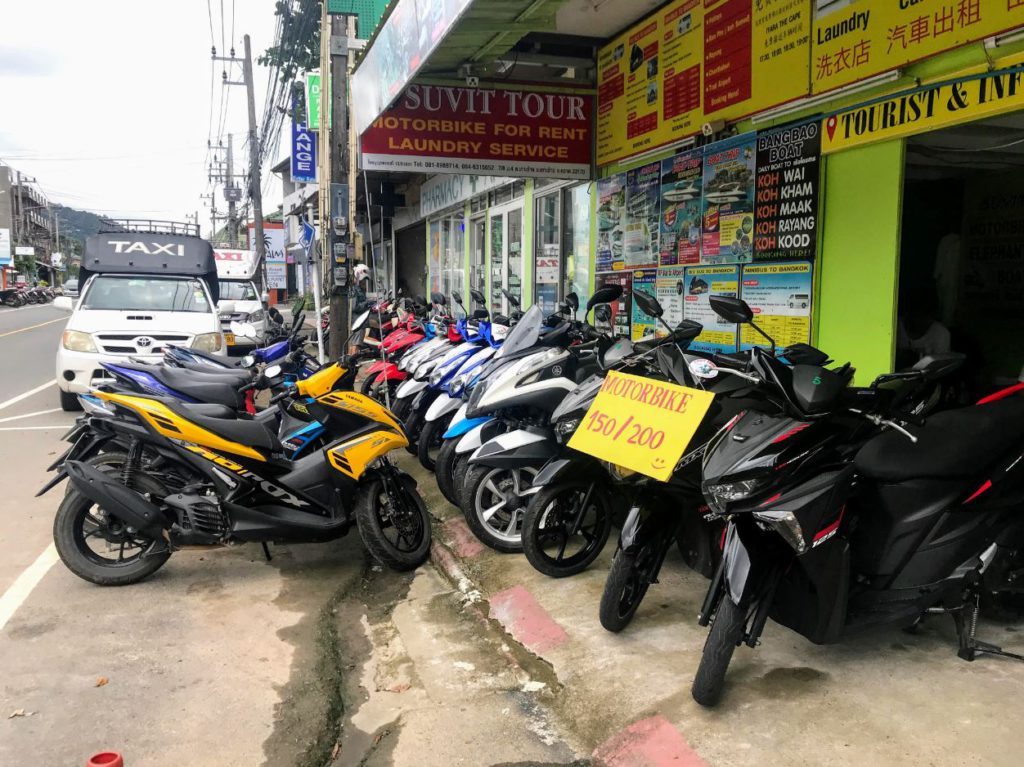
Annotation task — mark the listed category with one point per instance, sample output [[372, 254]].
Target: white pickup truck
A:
[[236, 272]]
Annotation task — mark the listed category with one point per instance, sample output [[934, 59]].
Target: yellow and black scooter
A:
[[187, 475]]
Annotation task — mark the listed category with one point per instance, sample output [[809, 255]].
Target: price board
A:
[[641, 424]]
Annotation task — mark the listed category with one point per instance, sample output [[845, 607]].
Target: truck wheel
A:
[[69, 402]]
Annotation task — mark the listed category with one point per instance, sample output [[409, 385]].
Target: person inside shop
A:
[[361, 280], [919, 333]]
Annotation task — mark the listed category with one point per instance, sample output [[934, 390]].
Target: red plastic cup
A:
[[106, 759]]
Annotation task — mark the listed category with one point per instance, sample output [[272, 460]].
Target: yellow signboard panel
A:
[[694, 61], [932, 107], [868, 37], [640, 423]]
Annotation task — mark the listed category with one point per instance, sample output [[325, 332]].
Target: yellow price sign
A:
[[642, 424]]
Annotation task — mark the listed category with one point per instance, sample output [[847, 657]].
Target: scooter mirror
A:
[[648, 304], [244, 330], [511, 298], [456, 296], [275, 315], [438, 298], [731, 309], [272, 371], [574, 301], [603, 313], [605, 295], [478, 296], [248, 361]]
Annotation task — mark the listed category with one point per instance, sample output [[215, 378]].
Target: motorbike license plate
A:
[[229, 339]]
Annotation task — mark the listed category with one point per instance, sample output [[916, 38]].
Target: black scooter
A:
[[847, 510]]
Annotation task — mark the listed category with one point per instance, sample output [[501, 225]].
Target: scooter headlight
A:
[[785, 524], [565, 429], [436, 376], [721, 495], [457, 384]]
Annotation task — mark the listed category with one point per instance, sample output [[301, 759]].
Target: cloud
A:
[[22, 62]]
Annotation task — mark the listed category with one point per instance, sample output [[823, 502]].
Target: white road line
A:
[[33, 327], [26, 395], [29, 415], [19, 591], [27, 307]]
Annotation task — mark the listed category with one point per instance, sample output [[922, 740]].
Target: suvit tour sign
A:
[[935, 106], [485, 130], [867, 37]]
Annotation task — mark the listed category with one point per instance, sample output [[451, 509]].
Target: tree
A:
[[298, 49]]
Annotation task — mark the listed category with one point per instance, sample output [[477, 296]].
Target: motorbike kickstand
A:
[[970, 646], [266, 551]]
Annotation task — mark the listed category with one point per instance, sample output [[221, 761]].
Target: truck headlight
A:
[[785, 524], [257, 316], [208, 342], [77, 341]]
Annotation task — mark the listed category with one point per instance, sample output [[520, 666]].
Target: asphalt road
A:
[[184, 668]]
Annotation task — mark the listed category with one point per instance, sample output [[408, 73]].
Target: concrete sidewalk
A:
[[886, 697]]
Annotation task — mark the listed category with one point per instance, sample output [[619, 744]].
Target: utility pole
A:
[[255, 190], [230, 195]]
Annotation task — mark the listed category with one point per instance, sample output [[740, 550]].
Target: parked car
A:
[[71, 288]]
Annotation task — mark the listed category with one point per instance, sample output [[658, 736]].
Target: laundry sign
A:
[[486, 130], [926, 109]]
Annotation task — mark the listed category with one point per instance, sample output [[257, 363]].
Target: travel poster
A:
[[643, 325], [780, 295], [700, 283], [611, 209], [788, 161], [670, 289], [681, 189], [640, 249], [728, 229], [621, 309]]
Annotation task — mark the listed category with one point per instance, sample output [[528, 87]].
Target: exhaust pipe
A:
[[123, 502]]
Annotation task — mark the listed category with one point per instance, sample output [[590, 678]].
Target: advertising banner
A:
[[788, 177], [698, 60], [314, 100], [641, 426], [274, 247], [864, 38], [643, 325], [611, 214], [403, 43], [934, 106], [621, 309], [670, 287], [303, 154], [701, 283], [5, 246], [780, 295], [640, 246], [728, 204], [681, 192], [443, 191], [503, 132], [545, 278]]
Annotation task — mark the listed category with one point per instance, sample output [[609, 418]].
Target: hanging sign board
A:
[[864, 38], [641, 424], [491, 131], [694, 61], [930, 108], [786, 216], [314, 101], [303, 154], [274, 248]]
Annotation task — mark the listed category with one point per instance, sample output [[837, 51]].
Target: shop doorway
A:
[[410, 266], [478, 254], [506, 225], [961, 283]]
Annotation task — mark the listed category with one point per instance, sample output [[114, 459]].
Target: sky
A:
[[107, 103]]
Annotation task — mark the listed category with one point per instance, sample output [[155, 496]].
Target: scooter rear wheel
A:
[[723, 639], [431, 439], [559, 537], [394, 522]]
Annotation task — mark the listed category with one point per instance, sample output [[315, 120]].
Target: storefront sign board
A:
[[930, 108], [443, 191], [681, 191], [611, 221], [788, 176], [864, 38], [694, 61], [314, 100], [274, 248], [701, 282], [303, 154], [641, 424], [780, 295], [504, 132], [644, 325], [670, 288], [728, 202]]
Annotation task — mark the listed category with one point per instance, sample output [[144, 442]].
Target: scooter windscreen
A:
[[524, 334]]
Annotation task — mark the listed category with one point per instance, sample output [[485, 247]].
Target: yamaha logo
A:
[[143, 342], [556, 370]]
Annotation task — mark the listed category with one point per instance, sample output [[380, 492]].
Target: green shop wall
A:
[[858, 267]]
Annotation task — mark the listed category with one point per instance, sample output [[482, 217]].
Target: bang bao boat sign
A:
[[490, 131]]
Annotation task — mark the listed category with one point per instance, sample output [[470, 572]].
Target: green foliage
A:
[[299, 47], [44, 284]]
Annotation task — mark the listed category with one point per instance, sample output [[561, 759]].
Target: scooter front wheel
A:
[[394, 522], [723, 639], [566, 527], [626, 586]]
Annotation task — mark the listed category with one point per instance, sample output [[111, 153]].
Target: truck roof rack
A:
[[148, 226]]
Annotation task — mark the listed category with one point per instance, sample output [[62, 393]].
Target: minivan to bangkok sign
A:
[[485, 131]]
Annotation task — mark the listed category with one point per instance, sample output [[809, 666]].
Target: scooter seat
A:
[[952, 444], [226, 423]]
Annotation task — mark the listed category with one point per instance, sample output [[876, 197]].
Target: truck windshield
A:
[[152, 294], [234, 290]]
